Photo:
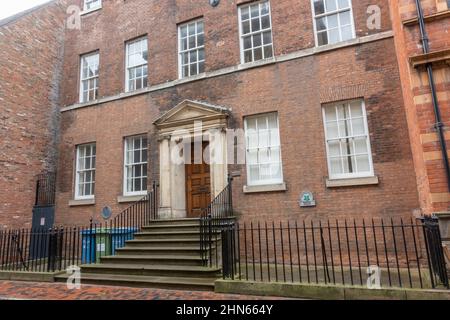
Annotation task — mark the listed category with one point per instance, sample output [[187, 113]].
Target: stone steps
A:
[[154, 260], [172, 227], [167, 235], [178, 250], [152, 270], [158, 242], [203, 284], [164, 254]]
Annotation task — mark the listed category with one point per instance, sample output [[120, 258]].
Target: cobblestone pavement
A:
[[59, 291]]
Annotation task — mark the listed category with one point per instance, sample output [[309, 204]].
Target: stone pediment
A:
[[189, 111]]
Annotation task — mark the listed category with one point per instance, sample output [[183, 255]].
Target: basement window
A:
[[90, 5], [347, 140], [85, 172], [135, 171], [333, 21], [256, 32]]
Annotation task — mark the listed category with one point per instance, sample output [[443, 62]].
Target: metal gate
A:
[[435, 251]]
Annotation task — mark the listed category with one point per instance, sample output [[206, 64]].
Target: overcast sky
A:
[[9, 8]]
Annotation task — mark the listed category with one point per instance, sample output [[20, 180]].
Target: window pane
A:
[[334, 148], [333, 36], [321, 24], [265, 22], [363, 163], [268, 52], [344, 18], [343, 4], [245, 13], [201, 67], [332, 21], [330, 5], [254, 173], [347, 33], [267, 37], [361, 145], [322, 38], [264, 8], [257, 40], [246, 27], [248, 57], [358, 126], [255, 25], [252, 156], [319, 7]]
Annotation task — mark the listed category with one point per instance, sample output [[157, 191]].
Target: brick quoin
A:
[[295, 88]]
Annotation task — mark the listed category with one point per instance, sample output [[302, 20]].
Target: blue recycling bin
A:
[[88, 246], [119, 236]]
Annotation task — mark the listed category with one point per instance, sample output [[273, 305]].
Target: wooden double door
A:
[[198, 185]]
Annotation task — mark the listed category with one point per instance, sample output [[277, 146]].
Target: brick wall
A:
[[431, 178], [31, 54], [296, 89], [118, 21]]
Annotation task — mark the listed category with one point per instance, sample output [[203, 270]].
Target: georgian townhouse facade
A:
[[315, 91], [314, 88]]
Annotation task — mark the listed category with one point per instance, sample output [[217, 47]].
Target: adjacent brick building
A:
[[429, 166], [31, 53], [325, 82]]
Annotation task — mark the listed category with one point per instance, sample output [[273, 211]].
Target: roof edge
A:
[[24, 13]]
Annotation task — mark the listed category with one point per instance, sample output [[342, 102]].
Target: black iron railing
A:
[[385, 252], [45, 189], [216, 217], [55, 249]]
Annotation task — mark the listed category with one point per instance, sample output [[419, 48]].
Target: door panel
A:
[[198, 186]]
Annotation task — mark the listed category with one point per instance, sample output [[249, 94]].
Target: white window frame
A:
[[77, 171], [86, 9], [197, 48], [125, 165], [89, 78], [315, 17], [269, 181], [241, 35], [353, 175], [127, 67]]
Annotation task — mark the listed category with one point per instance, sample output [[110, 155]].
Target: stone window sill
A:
[[84, 202], [265, 188], [352, 182], [126, 199]]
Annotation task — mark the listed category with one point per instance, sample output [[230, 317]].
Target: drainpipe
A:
[[437, 112]]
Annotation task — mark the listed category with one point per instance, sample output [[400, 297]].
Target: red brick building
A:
[[429, 162], [294, 88], [315, 88], [31, 56]]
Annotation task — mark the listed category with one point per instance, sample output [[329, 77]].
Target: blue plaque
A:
[[214, 3], [106, 213]]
